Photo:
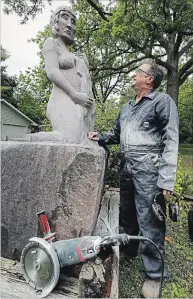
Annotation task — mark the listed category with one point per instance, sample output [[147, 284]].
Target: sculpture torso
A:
[[71, 120]]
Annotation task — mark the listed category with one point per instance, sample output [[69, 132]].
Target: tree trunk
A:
[[173, 78], [173, 85]]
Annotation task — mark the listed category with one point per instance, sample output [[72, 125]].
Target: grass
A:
[[186, 153], [179, 252], [186, 156], [178, 260]]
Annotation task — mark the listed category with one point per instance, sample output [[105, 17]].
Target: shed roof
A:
[[19, 112]]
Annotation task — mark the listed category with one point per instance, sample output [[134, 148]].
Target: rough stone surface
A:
[[64, 180]]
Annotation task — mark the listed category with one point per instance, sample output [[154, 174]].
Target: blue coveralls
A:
[[148, 134]]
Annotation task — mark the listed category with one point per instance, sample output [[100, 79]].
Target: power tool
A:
[[42, 258]]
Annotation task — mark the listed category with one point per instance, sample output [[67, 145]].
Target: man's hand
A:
[[166, 192], [93, 136]]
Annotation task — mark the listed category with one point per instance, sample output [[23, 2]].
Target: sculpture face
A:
[[66, 26]]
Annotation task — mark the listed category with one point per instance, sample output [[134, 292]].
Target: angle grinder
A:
[[42, 258]]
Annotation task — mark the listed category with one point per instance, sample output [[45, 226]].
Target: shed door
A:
[[13, 131]]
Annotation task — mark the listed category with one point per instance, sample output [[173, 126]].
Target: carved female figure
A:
[[70, 108]]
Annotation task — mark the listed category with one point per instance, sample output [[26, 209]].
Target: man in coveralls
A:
[[147, 130]]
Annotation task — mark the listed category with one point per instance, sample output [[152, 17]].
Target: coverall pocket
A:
[[154, 159]]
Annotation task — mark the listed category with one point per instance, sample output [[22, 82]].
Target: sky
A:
[[14, 38]]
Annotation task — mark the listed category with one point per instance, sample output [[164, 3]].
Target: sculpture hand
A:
[[82, 99]]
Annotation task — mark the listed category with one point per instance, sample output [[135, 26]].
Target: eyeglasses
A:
[[142, 71]]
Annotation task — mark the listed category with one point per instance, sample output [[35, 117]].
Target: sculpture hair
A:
[[55, 18]]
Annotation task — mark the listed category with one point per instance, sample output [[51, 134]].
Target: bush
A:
[[106, 114]]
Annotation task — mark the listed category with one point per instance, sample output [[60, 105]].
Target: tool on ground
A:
[[42, 259], [174, 208], [190, 223]]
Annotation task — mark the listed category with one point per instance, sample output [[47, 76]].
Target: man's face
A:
[[67, 26], [142, 77]]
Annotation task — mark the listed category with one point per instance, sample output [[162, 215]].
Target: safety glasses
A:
[[142, 71]]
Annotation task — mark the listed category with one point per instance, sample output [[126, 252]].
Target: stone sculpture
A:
[[71, 108], [61, 172]]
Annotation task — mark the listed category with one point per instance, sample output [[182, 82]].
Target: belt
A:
[[142, 149]]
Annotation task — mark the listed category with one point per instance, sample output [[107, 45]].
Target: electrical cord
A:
[[124, 239], [140, 238]]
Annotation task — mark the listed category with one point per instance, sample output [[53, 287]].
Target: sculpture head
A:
[[63, 22]]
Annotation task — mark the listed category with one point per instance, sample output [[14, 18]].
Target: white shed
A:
[[14, 124]]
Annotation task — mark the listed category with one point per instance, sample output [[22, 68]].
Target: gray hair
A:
[[155, 71], [55, 18]]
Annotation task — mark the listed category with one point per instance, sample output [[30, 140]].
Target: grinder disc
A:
[[40, 266]]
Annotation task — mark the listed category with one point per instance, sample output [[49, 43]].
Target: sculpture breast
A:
[[66, 60]]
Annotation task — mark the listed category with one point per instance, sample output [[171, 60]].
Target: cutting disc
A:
[[40, 266]]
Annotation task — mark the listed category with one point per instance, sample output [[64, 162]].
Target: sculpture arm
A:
[[52, 67]]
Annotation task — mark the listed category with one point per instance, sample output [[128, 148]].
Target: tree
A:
[[8, 83], [161, 30], [30, 8], [104, 83], [185, 109], [24, 8], [124, 32], [33, 92], [104, 55]]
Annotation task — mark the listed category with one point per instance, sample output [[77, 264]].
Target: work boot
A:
[[150, 289]]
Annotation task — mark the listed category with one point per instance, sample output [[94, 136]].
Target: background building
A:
[[14, 124]]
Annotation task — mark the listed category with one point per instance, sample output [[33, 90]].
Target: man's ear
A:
[[150, 80]]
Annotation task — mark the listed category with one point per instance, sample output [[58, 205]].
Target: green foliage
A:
[[33, 92], [106, 114], [8, 83], [24, 9], [182, 179], [137, 30], [185, 108], [179, 258], [177, 290], [129, 31], [185, 170], [34, 88], [102, 52], [4, 54], [40, 39]]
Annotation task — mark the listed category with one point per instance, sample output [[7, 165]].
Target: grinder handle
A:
[[43, 220]]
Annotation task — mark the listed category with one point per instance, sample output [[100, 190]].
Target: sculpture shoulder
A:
[[49, 44]]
